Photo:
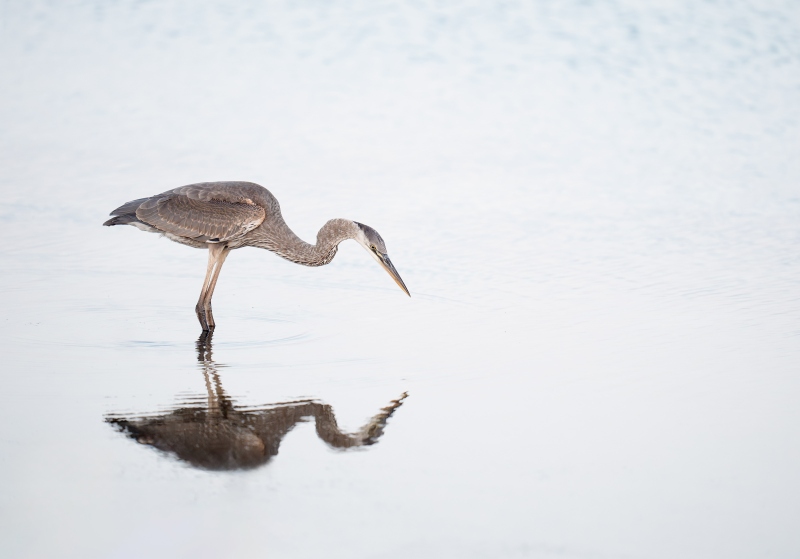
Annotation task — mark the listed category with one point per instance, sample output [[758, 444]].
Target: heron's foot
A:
[[205, 316]]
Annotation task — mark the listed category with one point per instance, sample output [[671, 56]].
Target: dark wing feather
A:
[[129, 208], [221, 211]]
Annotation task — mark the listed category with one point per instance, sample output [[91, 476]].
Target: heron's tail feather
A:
[[129, 207], [120, 220], [126, 213]]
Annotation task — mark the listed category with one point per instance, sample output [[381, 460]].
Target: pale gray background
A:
[[596, 206]]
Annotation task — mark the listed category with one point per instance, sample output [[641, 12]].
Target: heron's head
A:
[[373, 242]]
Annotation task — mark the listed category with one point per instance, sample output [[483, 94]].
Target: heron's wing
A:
[[221, 211], [228, 191]]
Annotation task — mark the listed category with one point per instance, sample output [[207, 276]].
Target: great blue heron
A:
[[222, 216]]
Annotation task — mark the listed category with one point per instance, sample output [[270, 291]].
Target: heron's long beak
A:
[[386, 264]]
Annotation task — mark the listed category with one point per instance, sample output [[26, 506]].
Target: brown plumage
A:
[[222, 216]]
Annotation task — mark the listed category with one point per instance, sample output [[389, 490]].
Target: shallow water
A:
[[594, 204]]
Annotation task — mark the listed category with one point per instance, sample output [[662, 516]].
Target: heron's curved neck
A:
[[278, 238]]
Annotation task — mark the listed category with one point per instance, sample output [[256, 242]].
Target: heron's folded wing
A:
[[225, 191], [185, 216]]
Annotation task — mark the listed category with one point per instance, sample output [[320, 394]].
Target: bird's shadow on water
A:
[[211, 432]]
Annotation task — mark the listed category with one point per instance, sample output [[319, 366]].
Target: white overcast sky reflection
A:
[[595, 205]]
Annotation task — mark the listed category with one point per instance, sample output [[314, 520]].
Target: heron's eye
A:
[[372, 247]]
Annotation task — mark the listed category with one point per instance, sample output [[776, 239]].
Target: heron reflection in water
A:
[[212, 434]]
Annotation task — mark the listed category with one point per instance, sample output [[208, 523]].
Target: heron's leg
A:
[[221, 253], [216, 255], [201, 314]]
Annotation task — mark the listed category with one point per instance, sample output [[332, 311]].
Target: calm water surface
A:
[[595, 205]]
